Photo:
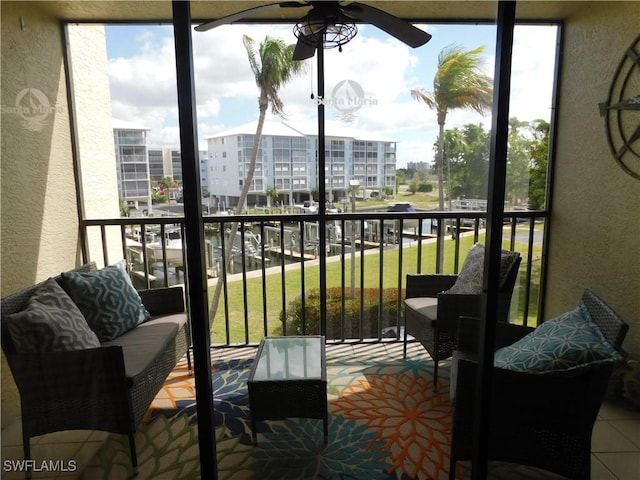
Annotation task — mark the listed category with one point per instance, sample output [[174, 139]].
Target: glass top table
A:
[[289, 358], [289, 379]]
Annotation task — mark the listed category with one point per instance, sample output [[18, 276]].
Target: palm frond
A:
[[422, 95], [249, 45], [273, 66]]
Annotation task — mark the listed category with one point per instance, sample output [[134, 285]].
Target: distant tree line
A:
[[466, 164]]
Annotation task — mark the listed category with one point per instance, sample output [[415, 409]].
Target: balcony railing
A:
[[274, 271]]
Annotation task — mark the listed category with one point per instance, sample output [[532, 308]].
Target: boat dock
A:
[[293, 254]]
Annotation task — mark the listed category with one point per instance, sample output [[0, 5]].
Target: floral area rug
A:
[[385, 422]]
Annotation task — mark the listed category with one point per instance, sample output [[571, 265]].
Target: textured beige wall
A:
[[39, 221], [88, 52], [39, 214], [595, 224]]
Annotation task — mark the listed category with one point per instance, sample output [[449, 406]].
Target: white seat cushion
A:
[[425, 306]]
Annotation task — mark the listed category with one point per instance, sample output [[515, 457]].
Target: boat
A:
[[156, 247], [171, 244]]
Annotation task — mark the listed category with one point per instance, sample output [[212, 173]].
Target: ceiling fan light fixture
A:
[[332, 32]]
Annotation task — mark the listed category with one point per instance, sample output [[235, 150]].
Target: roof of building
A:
[[118, 124], [303, 128], [270, 127]]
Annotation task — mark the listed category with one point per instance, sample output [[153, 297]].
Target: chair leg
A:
[[435, 374], [435, 357], [189, 361], [404, 334], [134, 455]]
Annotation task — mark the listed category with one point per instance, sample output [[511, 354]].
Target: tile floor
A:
[[615, 446]]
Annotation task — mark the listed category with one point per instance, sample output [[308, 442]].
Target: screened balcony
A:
[[589, 233]]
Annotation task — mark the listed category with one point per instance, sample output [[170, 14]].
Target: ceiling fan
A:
[[330, 24]]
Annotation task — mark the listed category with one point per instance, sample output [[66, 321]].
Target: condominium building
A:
[[287, 160], [165, 162], [132, 163]]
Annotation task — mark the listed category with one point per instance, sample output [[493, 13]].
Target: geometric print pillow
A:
[[107, 300], [507, 259], [50, 322], [470, 278], [566, 342]]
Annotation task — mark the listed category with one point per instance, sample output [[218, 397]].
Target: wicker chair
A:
[[90, 389], [431, 314], [543, 421]]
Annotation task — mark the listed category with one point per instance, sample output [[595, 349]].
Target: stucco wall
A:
[[595, 224], [39, 213], [39, 221], [94, 127]]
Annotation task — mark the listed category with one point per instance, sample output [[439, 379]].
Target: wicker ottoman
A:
[[289, 379]]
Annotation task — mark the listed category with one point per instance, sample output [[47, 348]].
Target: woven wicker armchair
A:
[[543, 421], [431, 314]]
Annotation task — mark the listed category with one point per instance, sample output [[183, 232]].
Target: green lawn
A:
[[293, 286]]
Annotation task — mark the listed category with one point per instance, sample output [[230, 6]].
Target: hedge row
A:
[[306, 321]]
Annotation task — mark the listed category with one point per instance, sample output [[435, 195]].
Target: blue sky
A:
[[141, 70]]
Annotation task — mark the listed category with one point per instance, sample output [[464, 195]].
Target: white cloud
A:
[[144, 89], [532, 72]]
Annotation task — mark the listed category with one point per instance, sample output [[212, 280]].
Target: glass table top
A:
[[290, 358]]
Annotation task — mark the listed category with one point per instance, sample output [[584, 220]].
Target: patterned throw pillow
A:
[[470, 278], [107, 300], [469, 281], [50, 322], [566, 342]]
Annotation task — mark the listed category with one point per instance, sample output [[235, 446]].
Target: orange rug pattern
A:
[[385, 422]]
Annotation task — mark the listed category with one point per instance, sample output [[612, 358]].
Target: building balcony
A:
[[276, 264], [52, 223]]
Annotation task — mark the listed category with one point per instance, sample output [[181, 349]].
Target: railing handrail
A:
[[258, 217], [293, 238]]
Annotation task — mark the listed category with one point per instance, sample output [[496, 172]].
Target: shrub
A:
[[306, 321], [159, 198]]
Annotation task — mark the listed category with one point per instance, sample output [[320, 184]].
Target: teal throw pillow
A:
[[566, 342], [107, 299], [50, 322]]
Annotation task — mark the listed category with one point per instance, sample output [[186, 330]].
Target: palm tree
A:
[[273, 66], [167, 182], [124, 208], [272, 195], [458, 83]]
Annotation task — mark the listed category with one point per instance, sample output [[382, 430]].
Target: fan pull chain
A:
[[311, 82]]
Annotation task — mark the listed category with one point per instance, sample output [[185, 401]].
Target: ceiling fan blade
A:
[[402, 30], [303, 51], [234, 17]]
